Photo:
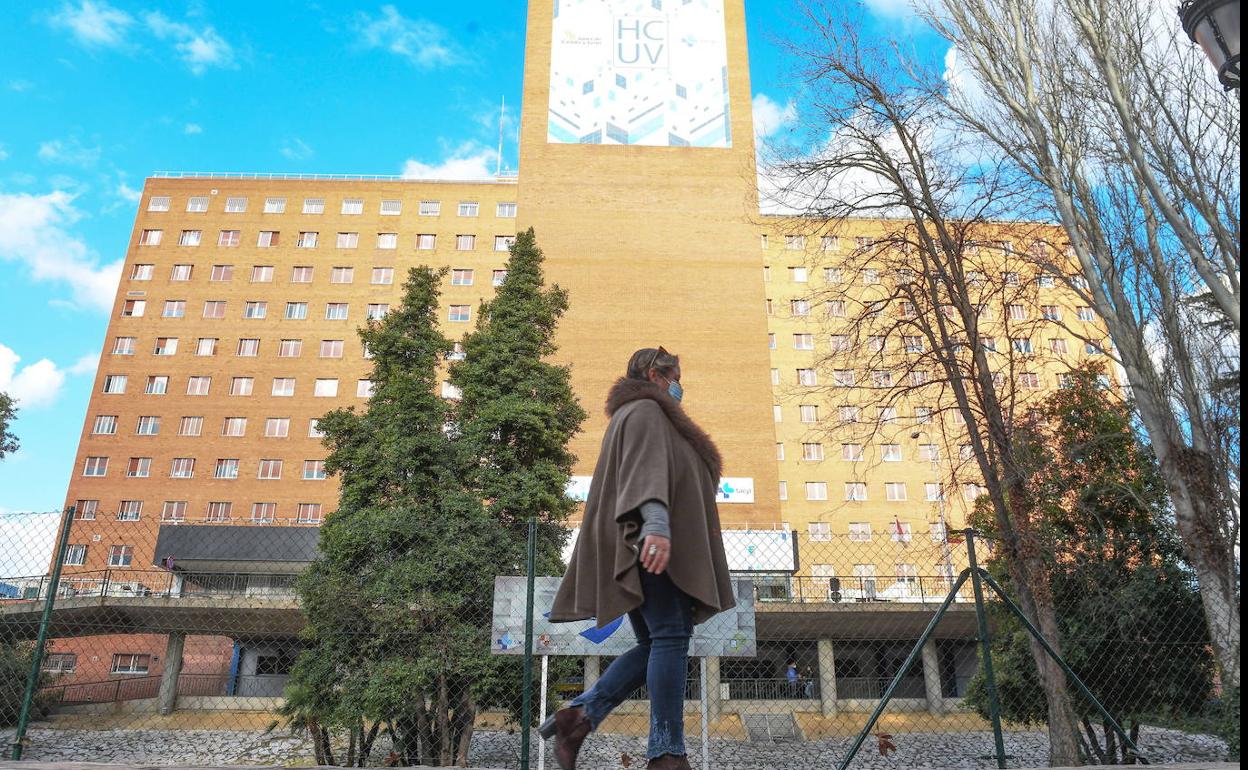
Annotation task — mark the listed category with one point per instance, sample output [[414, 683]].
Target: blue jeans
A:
[[664, 625]]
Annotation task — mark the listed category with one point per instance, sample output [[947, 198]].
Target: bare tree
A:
[[1132, 147], [934, 312]]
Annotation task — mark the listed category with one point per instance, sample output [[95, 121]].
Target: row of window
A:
[[894, 491], [235, 204], [150, 425], [176, 511], [881, 379], [294, 311], [870, 276], [310, 239], [839, 308], [184, 468], [862, 242], [301, 274], [158, 385], [247, 347], [845, 343], [861, 532], [889, 453], [123, 662]]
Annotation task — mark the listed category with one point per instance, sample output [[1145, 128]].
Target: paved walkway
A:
[[6, 764]]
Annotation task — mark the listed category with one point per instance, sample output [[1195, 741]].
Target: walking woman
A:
[[650, 548]]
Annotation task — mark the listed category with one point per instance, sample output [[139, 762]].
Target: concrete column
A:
[[593, 669], [168, 695], [714, 696], [827, 677], [931, 678]]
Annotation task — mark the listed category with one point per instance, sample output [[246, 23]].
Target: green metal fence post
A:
[[892, 687], [985, 641], [36, 663], [526, 701], [1083, 688]]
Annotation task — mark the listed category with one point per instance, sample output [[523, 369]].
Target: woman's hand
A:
[[656, 551]]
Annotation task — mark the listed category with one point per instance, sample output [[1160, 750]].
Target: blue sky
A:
[[95, 96]]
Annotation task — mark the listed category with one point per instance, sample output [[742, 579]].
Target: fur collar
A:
[[626, 390]]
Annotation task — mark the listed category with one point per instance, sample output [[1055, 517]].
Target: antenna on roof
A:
[[502, 118]]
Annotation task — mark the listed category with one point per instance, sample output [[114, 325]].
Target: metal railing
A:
[[872, 688], [504, 178], [855, 590], [130, 583], [771, 689], [142, 687]]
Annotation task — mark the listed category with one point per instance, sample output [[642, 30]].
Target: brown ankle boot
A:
[[571, 729], [668, 762]]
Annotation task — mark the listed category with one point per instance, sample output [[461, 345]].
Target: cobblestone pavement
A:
[[922, 751]]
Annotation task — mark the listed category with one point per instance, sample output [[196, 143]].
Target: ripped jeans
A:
[[664, 625]]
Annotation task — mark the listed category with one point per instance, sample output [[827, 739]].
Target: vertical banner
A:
[[639, 72]]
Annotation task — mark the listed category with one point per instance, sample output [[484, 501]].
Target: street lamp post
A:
[[1214, 26], [945, 555]]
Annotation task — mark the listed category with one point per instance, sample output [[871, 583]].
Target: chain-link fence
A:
[[228, 643]]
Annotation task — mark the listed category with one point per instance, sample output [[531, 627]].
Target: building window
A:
[[174, 308], [881, 379], [180, 273], [795, 242], [105, 425], [157, 385], [151, 237], [284, 386], [779, 451], [307, 240], [234, 427], [803, 342], [270, 470], [190, 426], [277, 427], [173, 510], [1059, 347], [314, 470], [275, 205], [342, 275], [226, 469], [122, 556], [314, 205], [123, 346], [895, 491], [289, 348], [142, 272], [505, 211], [263, 513], [314, 429], [460, 313], [852, 453], [1086, 314], [182, 468], [308, 513], [376, 311], [352, 206], [890, 453], [777, 414], [255, 310], [387, 240], [95, 467], [230, 238], [1021, 345], [929, 453], [214, 309], [816, 490], [158, 203], [799, 274], [139, 468], [504, 242], [235, 205], [198, 386], [242, 386], [836, 308], [784, 490], [383, 276], [296, 311], [855, 490], [430, 208], [876, 343], [336, 311], [165, 346], [844, 378], [332, 348], [465, 242], [301, 274], [426, 241], [1051, 312], [799, 307], [771, 341], [197, 204], [469, 209], [850, 414], [812, 452], [85, 510], [819, 531], [1016, 312], [147, 425], [248, 348], [809, 413], [325, 388], [125, 663], [807, 377], [1029, 380], [901, 532], [262, 274], [933, 491], [841, 343], [391, 208], [76, 555], [218, 511]]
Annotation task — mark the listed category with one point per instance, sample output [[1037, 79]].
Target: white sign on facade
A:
[[731, 491], [728, 634], [759, 550], [628, 72]]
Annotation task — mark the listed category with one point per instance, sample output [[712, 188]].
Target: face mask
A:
[[675, 391]]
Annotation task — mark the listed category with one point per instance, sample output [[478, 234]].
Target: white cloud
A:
[[192, 128], [421, 42], [297, 149], [4, 155], [128, 193], [199, 48], [35, 231], [94, 23], [85, 365], [770, 116], [20, 85], [33, 386], [893, 9], [69, 151], [468, 161]]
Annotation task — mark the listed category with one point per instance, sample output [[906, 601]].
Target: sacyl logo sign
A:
[[641, 41]]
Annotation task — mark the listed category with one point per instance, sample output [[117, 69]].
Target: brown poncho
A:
[[651, 451]]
